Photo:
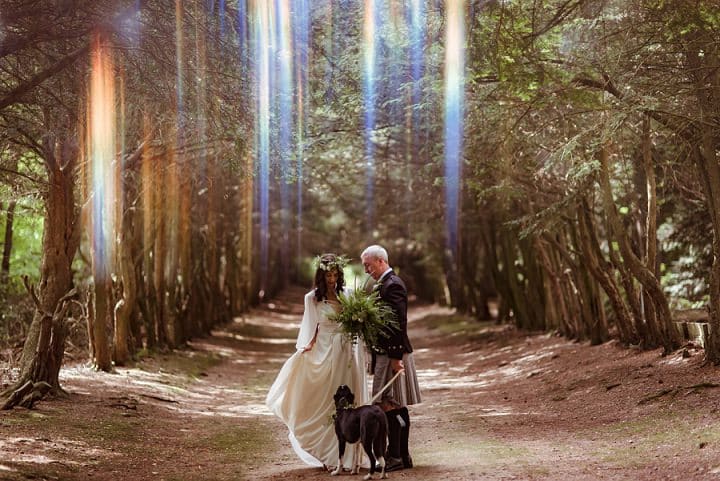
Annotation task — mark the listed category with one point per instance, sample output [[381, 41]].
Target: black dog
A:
[[366, 424]]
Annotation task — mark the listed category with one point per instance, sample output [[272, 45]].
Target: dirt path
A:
[[498, 405]]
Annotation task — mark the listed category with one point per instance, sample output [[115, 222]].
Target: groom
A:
[[393, 354]]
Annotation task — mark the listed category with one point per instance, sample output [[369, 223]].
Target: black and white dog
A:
[[366, 424]]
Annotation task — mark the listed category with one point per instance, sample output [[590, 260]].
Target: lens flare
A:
[[369, 62], [262, 46], [285, 116], [301, 32], [102, 146], [179, 49], [454, 111]]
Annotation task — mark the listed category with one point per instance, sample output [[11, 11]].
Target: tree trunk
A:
[[555, 311], [103, 315], [148, 298], [158, 264], [499, 276], [7, 247], [44, 347], [646, 277], [534, 284], [124, 306], [702, 56], [601, 270]]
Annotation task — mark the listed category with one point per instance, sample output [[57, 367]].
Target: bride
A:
[[302, 394]]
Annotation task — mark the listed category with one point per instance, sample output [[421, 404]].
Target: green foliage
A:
[[16, 307], [364, 316], [26, 242]]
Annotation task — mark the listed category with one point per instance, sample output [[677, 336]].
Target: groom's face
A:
[[374, 266]]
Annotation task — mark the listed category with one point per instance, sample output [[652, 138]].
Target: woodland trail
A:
[[498, 405]]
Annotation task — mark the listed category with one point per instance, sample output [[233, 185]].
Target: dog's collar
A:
[[346, 407]]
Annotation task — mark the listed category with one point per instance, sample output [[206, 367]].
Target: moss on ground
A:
[[190, 364], [259, 331], [637, 442], [479, 451]]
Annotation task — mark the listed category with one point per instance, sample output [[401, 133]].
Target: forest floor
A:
[[498, 404]]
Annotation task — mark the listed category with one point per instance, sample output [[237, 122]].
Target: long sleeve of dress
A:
[[309, 322]]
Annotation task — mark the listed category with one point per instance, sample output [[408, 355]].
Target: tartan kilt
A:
[[405, 389]]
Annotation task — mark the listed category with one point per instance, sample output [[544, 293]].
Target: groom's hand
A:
[[397, 365]]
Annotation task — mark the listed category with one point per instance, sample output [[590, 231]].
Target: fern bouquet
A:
[[363, 315]]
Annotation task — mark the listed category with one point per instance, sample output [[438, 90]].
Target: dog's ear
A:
[[350, 397]]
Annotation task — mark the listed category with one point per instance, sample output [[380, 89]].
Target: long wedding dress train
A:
[[302, 394]]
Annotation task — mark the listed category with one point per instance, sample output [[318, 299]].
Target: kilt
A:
[[405, 389]]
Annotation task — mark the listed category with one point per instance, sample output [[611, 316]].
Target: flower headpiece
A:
[[328, 264]]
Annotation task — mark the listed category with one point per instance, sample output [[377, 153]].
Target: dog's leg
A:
[[338, 470], [368, 445], [341, 449], [381, 463], [357, 457]]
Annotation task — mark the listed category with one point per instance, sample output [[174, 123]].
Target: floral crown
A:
[[338, 262]]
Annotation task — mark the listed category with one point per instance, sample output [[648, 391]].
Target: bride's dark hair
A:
[[328, 262]]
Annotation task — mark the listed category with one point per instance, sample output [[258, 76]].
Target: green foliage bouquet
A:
[[364, 315]]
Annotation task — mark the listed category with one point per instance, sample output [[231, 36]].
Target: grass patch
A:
[[454, 326], [258, 331], [240, 446], [472, 451], [106, 429], [25, 471], [20, 418], [632, 443], [190, 364]]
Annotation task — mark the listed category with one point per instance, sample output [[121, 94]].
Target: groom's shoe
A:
[[393, 464]]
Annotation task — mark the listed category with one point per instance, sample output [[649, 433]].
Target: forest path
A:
[[498, 404]]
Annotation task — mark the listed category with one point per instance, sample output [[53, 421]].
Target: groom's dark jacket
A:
[[394, 294]]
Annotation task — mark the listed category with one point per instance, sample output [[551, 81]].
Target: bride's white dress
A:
[[302, 394]]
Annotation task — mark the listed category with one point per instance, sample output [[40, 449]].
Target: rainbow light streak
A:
[[396, 74], [285, 106], [454, 111], [131, 26], [222, 18], [102, 138], [200, 87], [417, 41], [301, 42], [242, 32], [329, 48], [369, 53], [262, 128], [179, 48]]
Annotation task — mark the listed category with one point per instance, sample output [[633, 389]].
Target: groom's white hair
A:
[[375, 251]]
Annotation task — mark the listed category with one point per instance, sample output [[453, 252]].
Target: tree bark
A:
[[7, 246], [646, 277], [148, 298], [44, 347], [701, 56], [128, 295], [601, 270]]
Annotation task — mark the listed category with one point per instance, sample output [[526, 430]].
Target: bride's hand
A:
[[308, 347]]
